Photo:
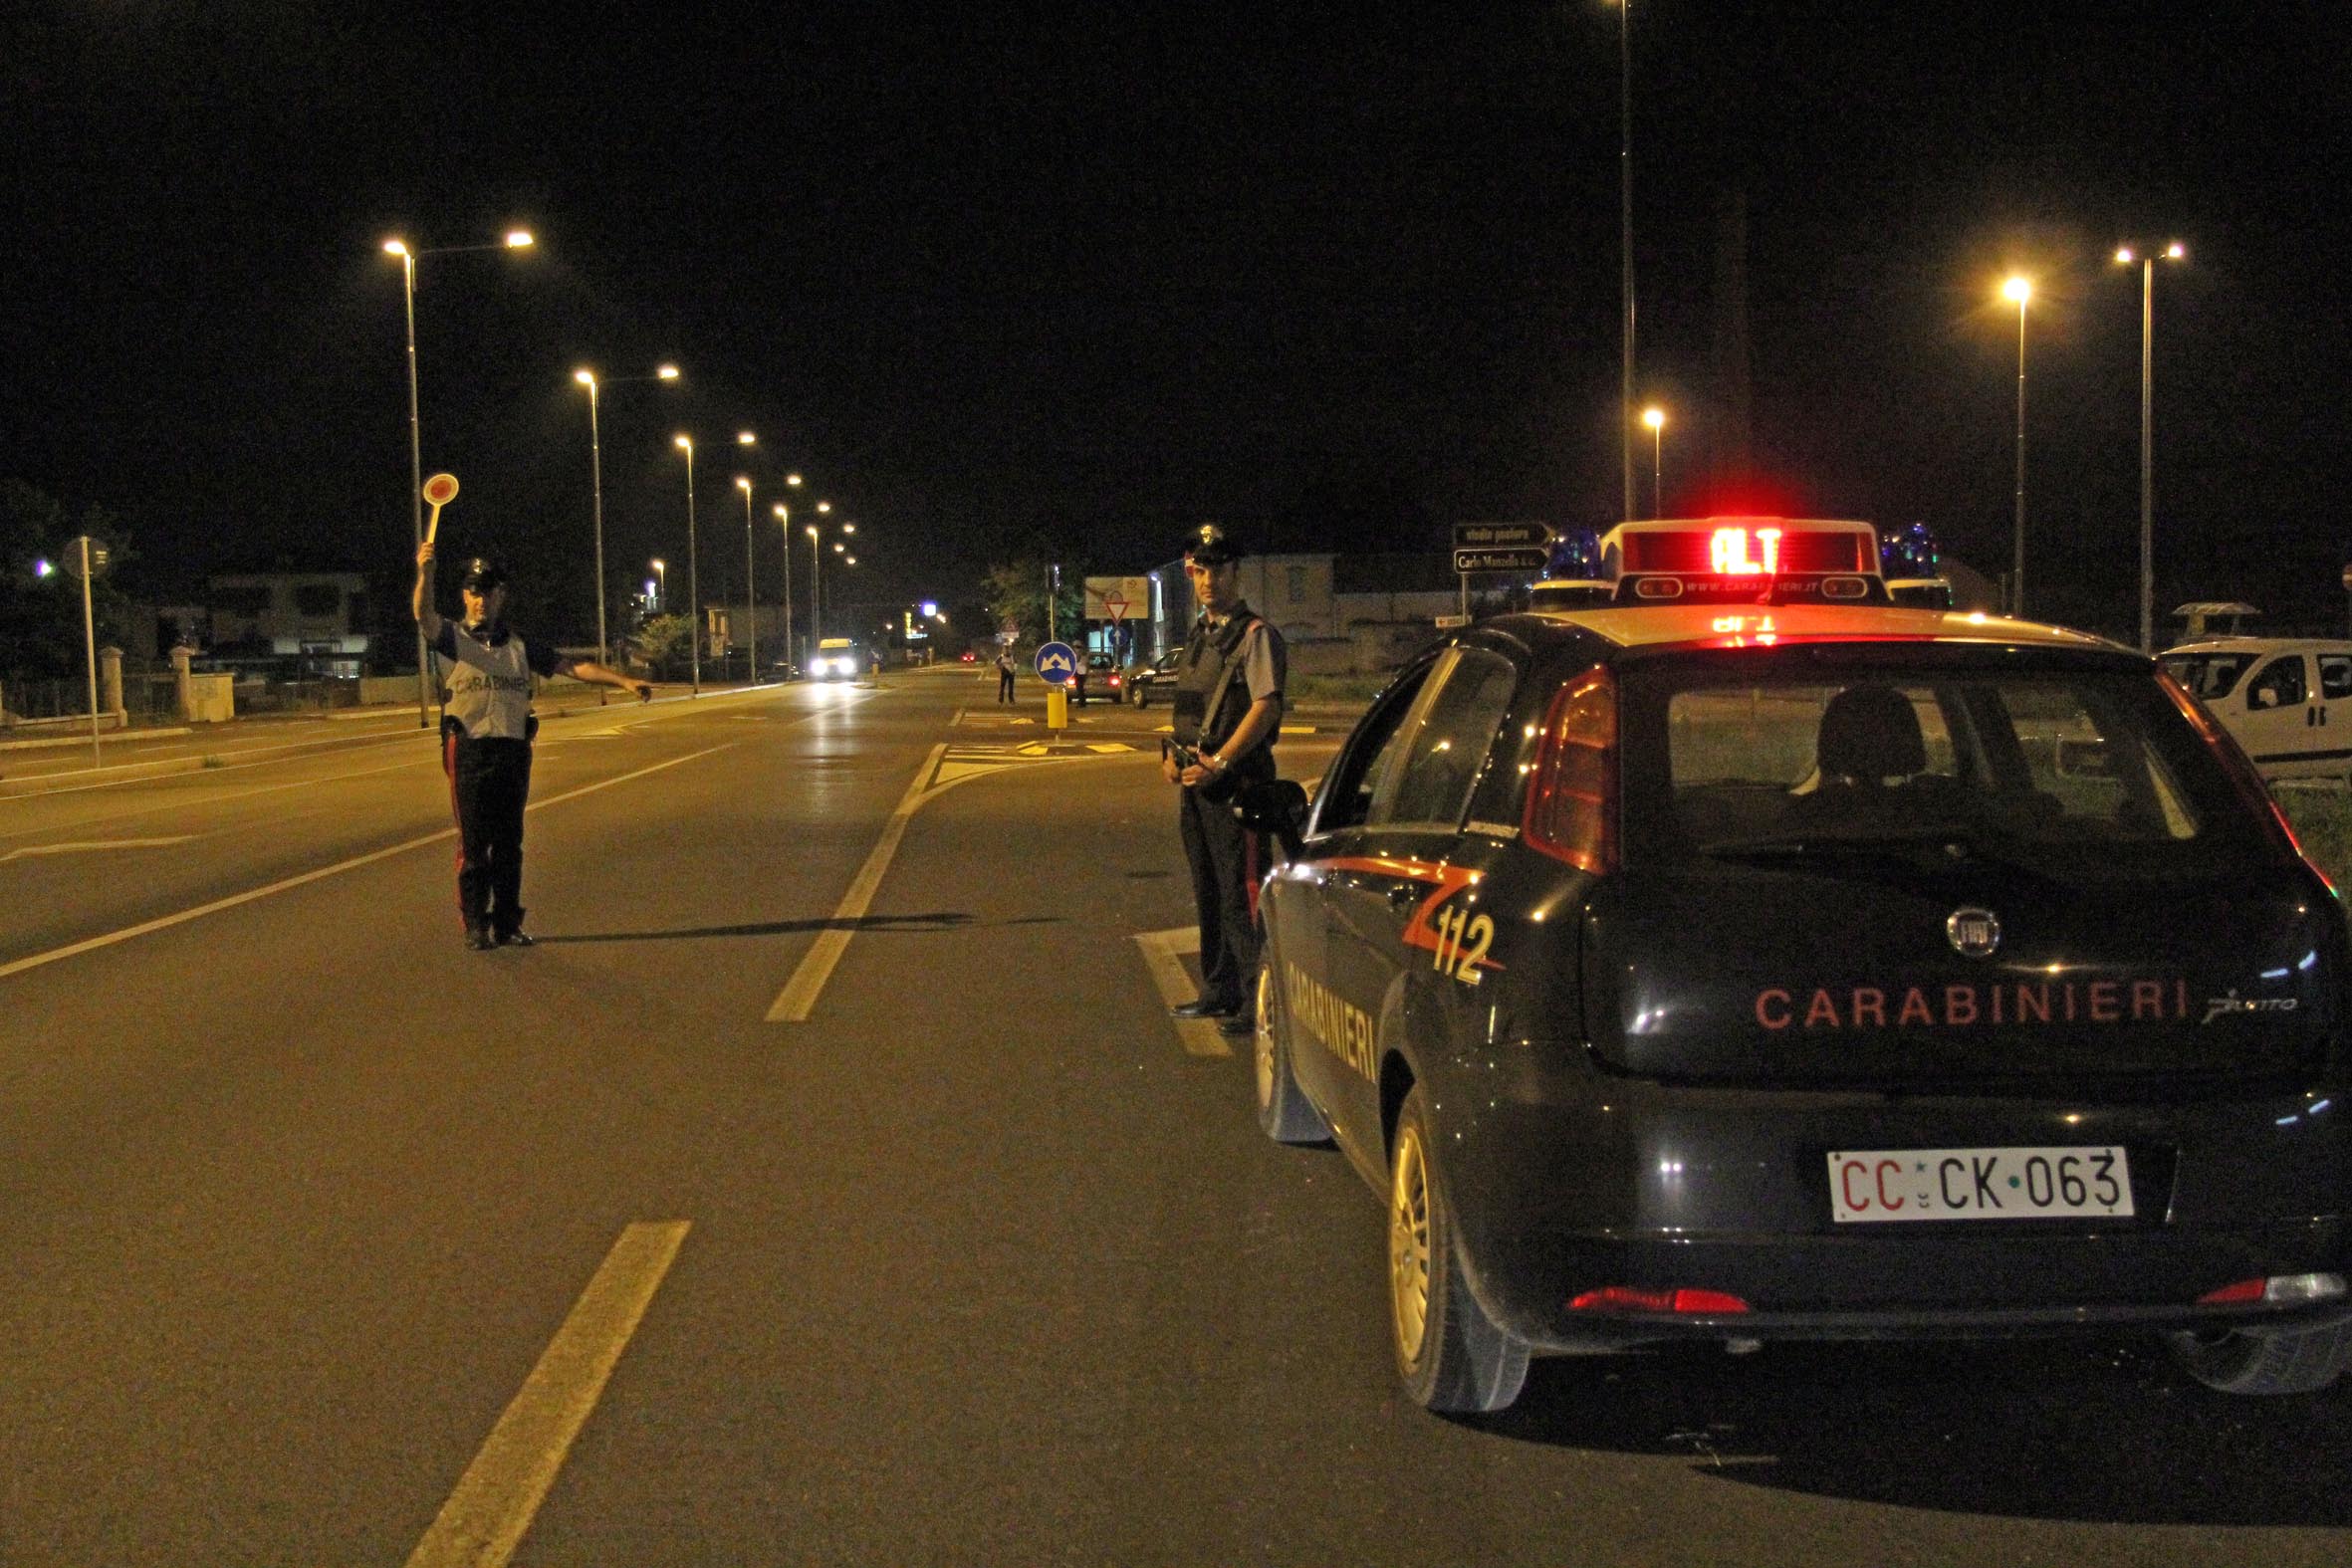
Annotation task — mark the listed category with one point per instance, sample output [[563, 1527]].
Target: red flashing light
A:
[[2229, 1296], [1692, 1303]]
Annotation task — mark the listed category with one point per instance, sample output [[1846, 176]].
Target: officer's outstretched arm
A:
[[420, 598], [589, 670]]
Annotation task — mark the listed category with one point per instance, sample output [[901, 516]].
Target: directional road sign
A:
[[1058, 664], [1495, 560], [1477, 536]]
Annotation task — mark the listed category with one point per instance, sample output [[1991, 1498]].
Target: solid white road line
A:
[[498, 1496], [797, 1000], [85, 845], [93, 944], [1163, 952]]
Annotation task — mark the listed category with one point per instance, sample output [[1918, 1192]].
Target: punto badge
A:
[[1974, 932]]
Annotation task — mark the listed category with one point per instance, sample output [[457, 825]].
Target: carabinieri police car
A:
[[1747, 957]]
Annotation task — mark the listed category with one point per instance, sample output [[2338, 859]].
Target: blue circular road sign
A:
[[1057, 663]]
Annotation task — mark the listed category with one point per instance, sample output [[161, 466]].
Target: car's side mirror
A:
[[1277, 807]]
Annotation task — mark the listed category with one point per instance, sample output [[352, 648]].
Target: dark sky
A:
[[1082, 275]]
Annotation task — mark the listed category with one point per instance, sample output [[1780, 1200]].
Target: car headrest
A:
[[1871, 732]]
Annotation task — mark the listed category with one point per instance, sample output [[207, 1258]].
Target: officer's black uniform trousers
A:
[[489, 784], [1223, 861]]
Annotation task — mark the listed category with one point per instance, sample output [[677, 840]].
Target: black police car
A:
[[1751, 959]]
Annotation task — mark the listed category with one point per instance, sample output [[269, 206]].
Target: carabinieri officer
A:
[[1226, 714], [486, 732]]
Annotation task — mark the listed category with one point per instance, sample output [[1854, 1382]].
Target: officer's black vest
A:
[[1198, 671]]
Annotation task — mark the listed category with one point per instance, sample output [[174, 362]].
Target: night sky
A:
[[1066, 279]]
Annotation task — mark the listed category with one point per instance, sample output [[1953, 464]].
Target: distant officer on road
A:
[[1005, 675], [486, 732], [1228, 711]]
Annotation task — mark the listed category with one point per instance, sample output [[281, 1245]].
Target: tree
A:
[[40, 613], [666, 642], [1017, 594]]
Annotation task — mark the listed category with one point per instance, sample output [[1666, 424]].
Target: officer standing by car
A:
[[486, 732], [1228, 710]]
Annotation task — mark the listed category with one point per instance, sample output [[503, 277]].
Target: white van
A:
[[2287, 700]]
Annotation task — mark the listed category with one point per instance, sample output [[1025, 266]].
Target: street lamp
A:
[[2021, 289], [588, 380], [685, 444], [1625, 238], [750, 625], [661, 579], [1655, 419], [815, 582], [783, 519], [516, 239], [2147, 260]]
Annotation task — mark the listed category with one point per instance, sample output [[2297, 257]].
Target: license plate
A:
[[1874, 1185]]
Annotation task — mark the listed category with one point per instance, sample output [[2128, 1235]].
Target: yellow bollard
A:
[[1057, 708]]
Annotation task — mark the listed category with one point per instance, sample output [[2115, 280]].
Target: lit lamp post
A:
[[588, 380], [784, 520], [685, 444], [2147, 260], [815, 583], [661, 585], [2020, 290], [517, 239], [1625, 238], [1655, 419], [751, 623]]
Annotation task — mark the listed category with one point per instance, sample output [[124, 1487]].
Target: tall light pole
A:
[[1625, 236], [2147, 260], [2020, 290], [750, 612], [517, 239], [815, 582], [588, 380], [1655, 419], [685, 444], [784, 516], [661, 579]]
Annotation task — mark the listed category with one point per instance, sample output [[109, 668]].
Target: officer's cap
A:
[[482, 574], [1210, 545]]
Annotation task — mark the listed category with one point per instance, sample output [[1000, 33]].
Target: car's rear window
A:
[[2073, 762]]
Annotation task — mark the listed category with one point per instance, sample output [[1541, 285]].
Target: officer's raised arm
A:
[[420, 598]]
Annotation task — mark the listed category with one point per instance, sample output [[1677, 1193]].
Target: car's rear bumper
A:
[[1655, 1187]]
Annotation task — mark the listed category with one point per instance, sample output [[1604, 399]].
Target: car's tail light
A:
[[1632, 1298], [1571, 808], [2279, 1290]]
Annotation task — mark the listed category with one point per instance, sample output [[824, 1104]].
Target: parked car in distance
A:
[[1153, 682], [2274, 696], [1100, 678]]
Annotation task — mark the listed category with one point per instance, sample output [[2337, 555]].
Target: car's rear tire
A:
[[1453, 1358], [1283, 1112], [2267, 1360]]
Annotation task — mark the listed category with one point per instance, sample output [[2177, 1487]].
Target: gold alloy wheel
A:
[[1264, 1053], [1408, 1246]]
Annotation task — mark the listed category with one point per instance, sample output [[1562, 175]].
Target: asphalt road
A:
[[829, 1186]]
